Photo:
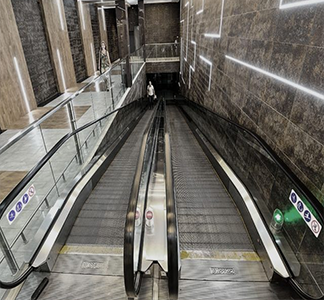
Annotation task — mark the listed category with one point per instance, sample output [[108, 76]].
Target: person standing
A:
[[150, 94], [104, 61]]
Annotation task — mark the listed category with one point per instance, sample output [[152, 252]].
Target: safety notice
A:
[[21, 204], [307, 216]]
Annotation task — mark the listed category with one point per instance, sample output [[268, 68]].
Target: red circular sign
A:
[[149, 215], [31, 191], [315, 226]]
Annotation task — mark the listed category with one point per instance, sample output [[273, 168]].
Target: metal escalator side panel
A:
[[174, 261], [132, 280], [268, 243]]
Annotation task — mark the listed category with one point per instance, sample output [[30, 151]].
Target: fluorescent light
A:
[[299, 3], [190, 70], [203, 7], [103, 19], [21, 83], [61, 68], [82, 14], [60, 13], [206, 60], [93, 58], [187, 4], [195, 51], [211, 35], [210, 70], [281, 79], [218, 35]]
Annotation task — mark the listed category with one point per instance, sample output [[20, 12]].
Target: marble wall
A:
[[73, 26], [162, 22], [33, 38], [95, 29], [112, 34], [251, 61], [16, 91]]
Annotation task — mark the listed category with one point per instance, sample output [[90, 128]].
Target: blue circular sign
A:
[[11, 215], [19, 207], [293, 197], [307, 216], [300, 206], [25, 199]]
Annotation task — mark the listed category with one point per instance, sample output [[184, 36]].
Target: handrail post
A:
[[12, 263], [73, 128]]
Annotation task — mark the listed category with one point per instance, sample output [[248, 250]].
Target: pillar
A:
[[59, 44], [16, 92], [141, 24], [87, 37], [123, 37]]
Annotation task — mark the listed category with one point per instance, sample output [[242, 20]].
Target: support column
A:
[[59, 43], [102, 26], [16, 91], [141, 24], [123, 37], [87, 37]]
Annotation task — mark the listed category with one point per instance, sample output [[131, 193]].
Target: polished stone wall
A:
[[265, 41], [162, 22], [95, 29], [112, 34], [74, 29], [162, 67], [33, 38]]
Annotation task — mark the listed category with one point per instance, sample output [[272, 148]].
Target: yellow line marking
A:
[[220, 255], [88, 249]]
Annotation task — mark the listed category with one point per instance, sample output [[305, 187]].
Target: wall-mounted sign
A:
[[305, 213], [21, 204]]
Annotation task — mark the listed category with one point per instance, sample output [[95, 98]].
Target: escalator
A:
[[171, 203], [227, 182], [92, 254]]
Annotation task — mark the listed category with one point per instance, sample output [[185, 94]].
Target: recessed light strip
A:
[[276, 77], [61, 68], [195, 52], [82, 14], [210, 71], [202, 9], [60, 14], [21, 83], [299, 3], [93, 58], [218, 35]]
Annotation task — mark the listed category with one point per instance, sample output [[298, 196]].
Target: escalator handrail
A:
[[296, 286], [19, 187], [172, 222], [274, 156], [24, 275], [129, 232]]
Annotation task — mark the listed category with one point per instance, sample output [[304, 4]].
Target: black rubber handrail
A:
[[296, 286], [274, 156], [15, 192], [133, 283], [172, 221], [24, 275]]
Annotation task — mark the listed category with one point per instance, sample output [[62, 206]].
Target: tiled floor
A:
[[8, 181]]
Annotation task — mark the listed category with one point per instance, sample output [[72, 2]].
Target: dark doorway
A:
[[166, 84]]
